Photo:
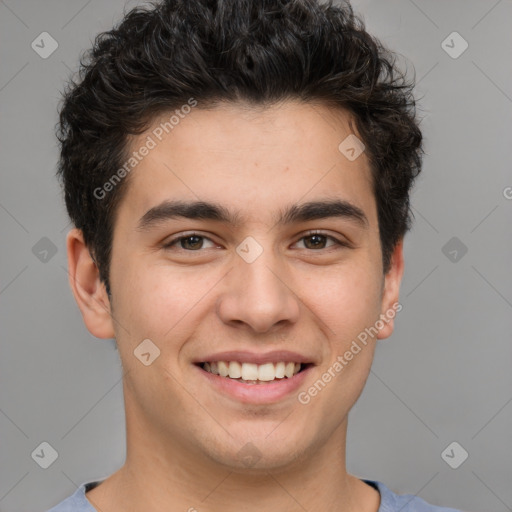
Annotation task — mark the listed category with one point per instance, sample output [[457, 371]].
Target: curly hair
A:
[[258, 51]]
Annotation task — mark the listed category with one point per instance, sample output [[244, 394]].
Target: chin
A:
[[257, 455]]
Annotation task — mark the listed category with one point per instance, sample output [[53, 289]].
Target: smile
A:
[[250, 373], [256, 384]]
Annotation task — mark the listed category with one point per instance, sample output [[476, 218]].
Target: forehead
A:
[[253, 158]]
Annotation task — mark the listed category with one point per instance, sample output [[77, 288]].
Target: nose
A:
[[259, 295]]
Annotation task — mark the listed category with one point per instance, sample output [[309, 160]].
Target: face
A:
[[265, 277]]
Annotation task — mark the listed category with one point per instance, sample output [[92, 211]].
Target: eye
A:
[[194, 242], [316, 240], [190, 242]]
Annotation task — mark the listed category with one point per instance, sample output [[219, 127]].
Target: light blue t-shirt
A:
[[389, 501]]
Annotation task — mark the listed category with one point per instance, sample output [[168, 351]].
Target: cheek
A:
[[347, 304], [347, 299], [160, 302]]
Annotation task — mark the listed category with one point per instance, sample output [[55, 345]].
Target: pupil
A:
[[318, 238], [192, 237], [196, 243]]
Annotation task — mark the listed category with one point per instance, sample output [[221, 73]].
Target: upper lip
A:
[[243, 356]]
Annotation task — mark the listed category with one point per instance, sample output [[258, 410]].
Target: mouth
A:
[[254, 374], [256, 378]]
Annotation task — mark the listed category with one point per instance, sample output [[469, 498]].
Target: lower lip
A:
[[256, 393]]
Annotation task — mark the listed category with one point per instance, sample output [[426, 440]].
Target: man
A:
[[238, 173]]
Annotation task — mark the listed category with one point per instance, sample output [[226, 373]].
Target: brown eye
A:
[[317, 241], [192, 242]]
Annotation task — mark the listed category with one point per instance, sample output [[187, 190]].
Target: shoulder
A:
[[77, 502], [391, 502]]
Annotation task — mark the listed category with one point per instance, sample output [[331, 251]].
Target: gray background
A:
[[444, 375]]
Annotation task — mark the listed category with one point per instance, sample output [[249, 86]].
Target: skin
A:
[[183, 436]]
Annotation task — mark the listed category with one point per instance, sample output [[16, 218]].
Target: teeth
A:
[[223, 369], [289, 369], [235, 370], [249, 371], [280, 370], [252, 373], [266, 372]]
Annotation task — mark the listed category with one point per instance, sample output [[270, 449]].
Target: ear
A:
[[391, 291], [89, 292]]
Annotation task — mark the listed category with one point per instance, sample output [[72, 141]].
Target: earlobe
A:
[[89, 292], [391, 292]]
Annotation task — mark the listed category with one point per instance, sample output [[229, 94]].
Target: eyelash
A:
[[171, 243]]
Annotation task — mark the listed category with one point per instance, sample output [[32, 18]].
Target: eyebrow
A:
[[203, 210]]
